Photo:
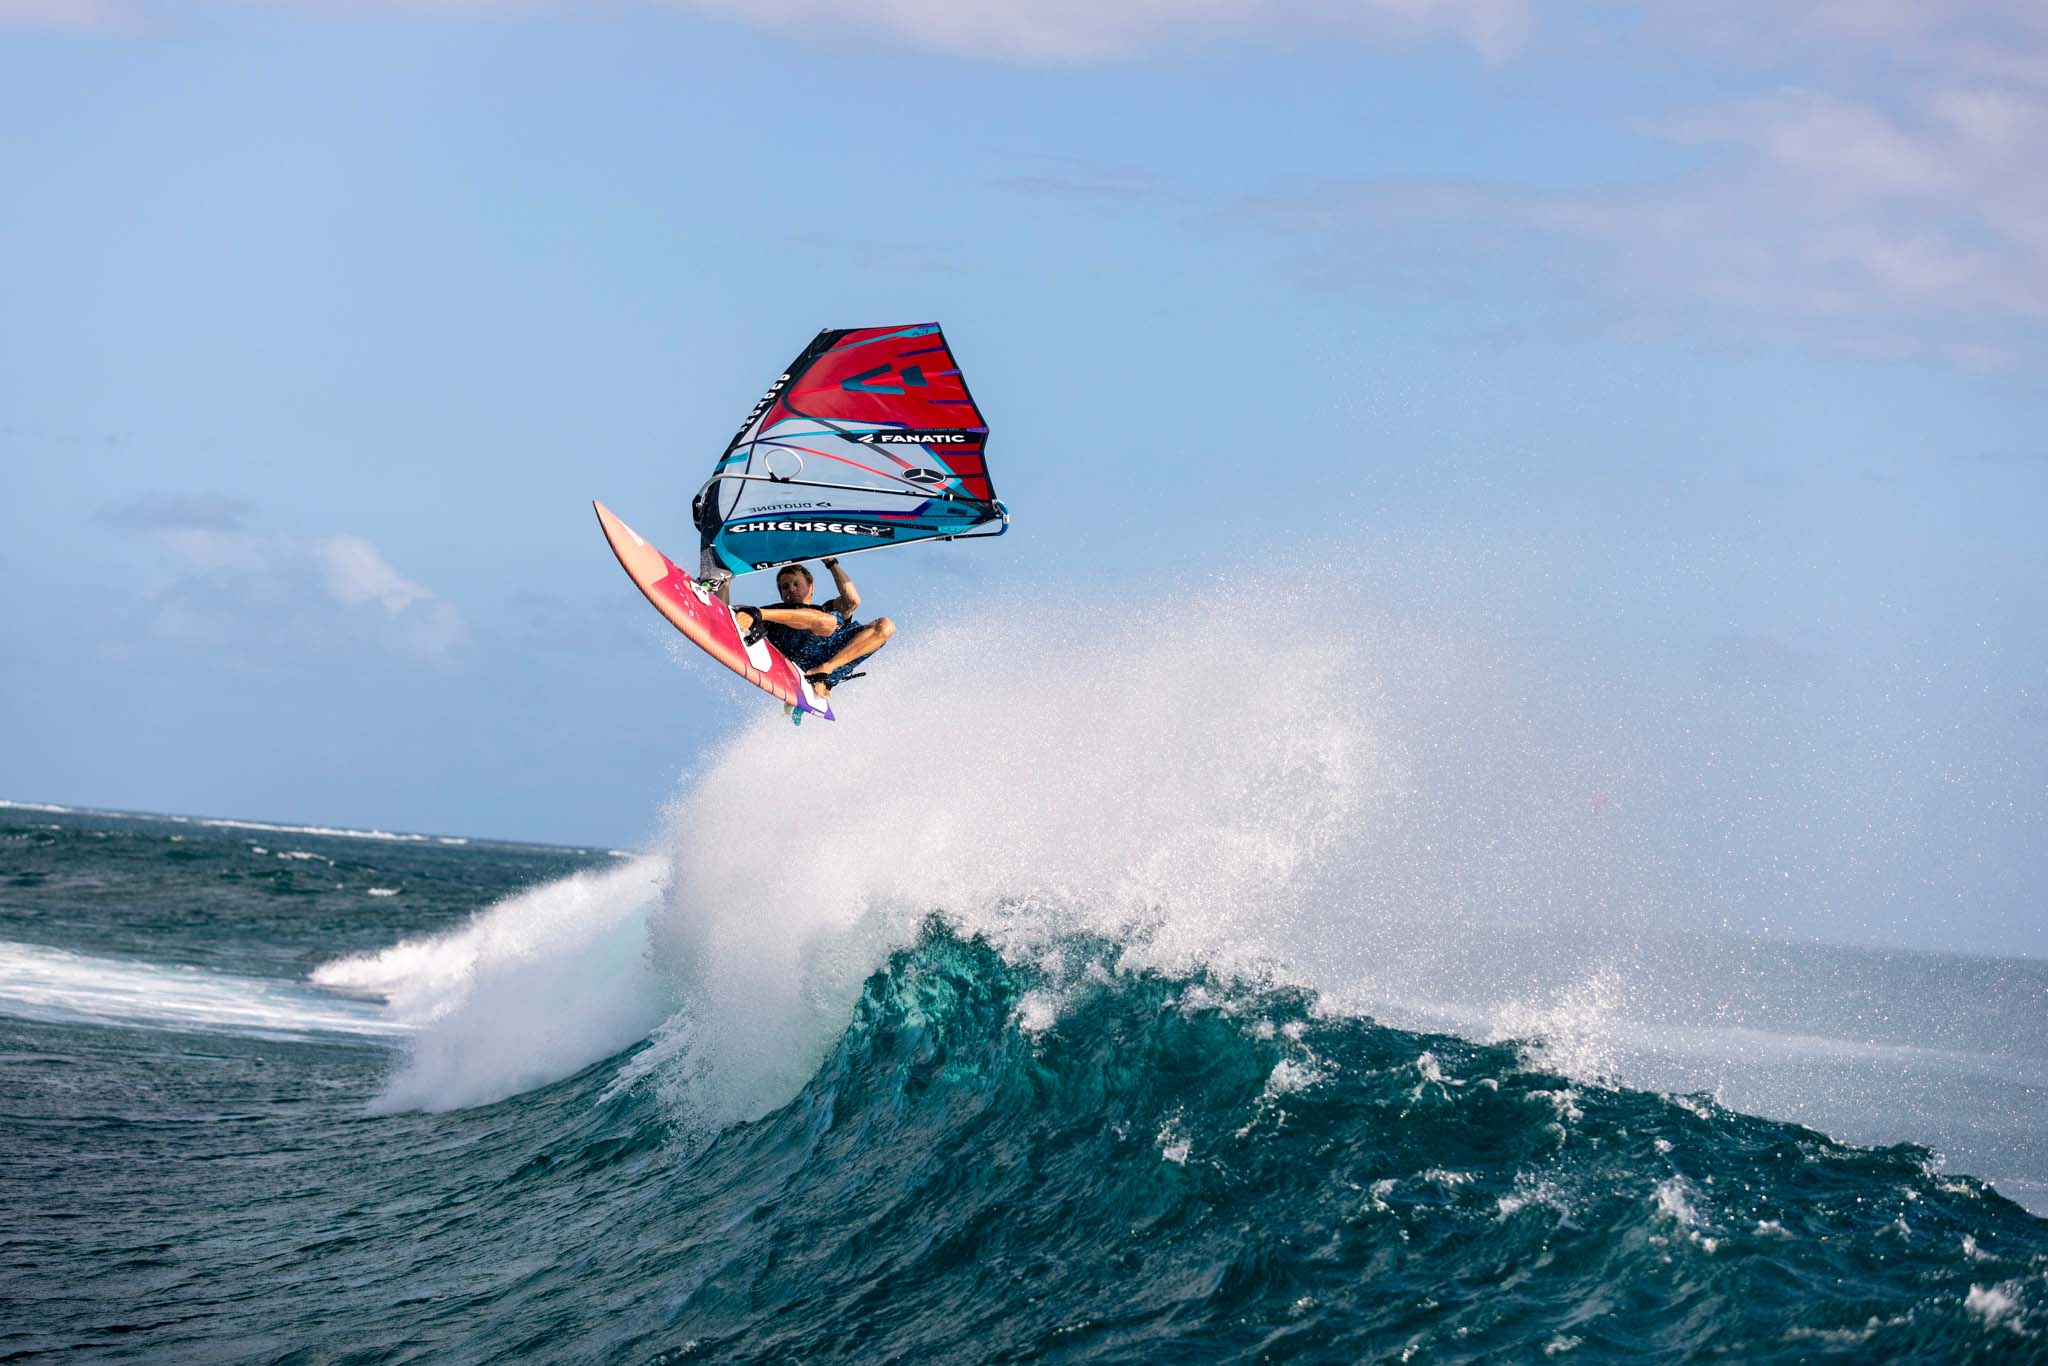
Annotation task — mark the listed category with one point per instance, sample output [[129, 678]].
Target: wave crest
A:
[[1181, 1160]]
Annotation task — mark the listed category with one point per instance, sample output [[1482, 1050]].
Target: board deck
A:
[[705, 620]]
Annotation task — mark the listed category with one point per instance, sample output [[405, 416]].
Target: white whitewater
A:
[[60, 987], [1379, 811]]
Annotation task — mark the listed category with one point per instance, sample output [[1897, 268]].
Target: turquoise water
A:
[[275, 1095]]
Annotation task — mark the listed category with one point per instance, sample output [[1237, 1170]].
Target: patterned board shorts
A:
[[807, 651]]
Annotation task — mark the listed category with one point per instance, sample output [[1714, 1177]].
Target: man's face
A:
[[792, 587]]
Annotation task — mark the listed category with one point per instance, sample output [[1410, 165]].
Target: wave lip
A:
[[56, 986]]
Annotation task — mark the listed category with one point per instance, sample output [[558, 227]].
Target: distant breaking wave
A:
[[226, 823], [268, 827]]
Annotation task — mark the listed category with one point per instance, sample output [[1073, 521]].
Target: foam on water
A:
[[530, 990], [1996, 1305], [57, 986]]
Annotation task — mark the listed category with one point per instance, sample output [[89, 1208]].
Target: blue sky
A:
[[1708, 343]]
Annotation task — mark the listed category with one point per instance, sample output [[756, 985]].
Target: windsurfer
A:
[[821, 639]]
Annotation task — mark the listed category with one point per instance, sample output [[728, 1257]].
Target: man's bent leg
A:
[[859, 646]]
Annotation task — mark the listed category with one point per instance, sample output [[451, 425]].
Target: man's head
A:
[[793, 582]]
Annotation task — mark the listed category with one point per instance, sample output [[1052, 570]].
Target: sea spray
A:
[[1259, 801], [529, 990], [1306, 790]]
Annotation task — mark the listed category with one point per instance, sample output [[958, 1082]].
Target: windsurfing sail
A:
[[869, 440]]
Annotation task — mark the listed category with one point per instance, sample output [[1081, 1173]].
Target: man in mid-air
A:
[[822, 639]]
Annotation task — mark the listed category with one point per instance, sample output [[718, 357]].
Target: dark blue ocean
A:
[[275, 1094]]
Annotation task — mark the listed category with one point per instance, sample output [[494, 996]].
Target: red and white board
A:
[[708, 623]]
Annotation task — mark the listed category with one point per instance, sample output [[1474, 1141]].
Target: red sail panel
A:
[[903, 377]]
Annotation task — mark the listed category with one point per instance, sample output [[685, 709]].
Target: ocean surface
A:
[[284, 1094]]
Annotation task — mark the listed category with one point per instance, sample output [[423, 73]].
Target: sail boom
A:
[[977, 532]]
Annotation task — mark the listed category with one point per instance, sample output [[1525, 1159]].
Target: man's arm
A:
[[849, 596]]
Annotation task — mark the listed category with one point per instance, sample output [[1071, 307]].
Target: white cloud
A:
[[232, 585], [355, 573], [424, 625]]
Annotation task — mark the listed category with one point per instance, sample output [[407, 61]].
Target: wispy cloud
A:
[[1981, 39], [1877, 190], [1081, 178], [1025, 30], [178, 512], [89, 16], [1918, 227], [1093, 30], [1879, 194], [232, 584], [1861, 40]]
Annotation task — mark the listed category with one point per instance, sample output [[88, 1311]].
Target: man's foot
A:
[[820, 684]]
